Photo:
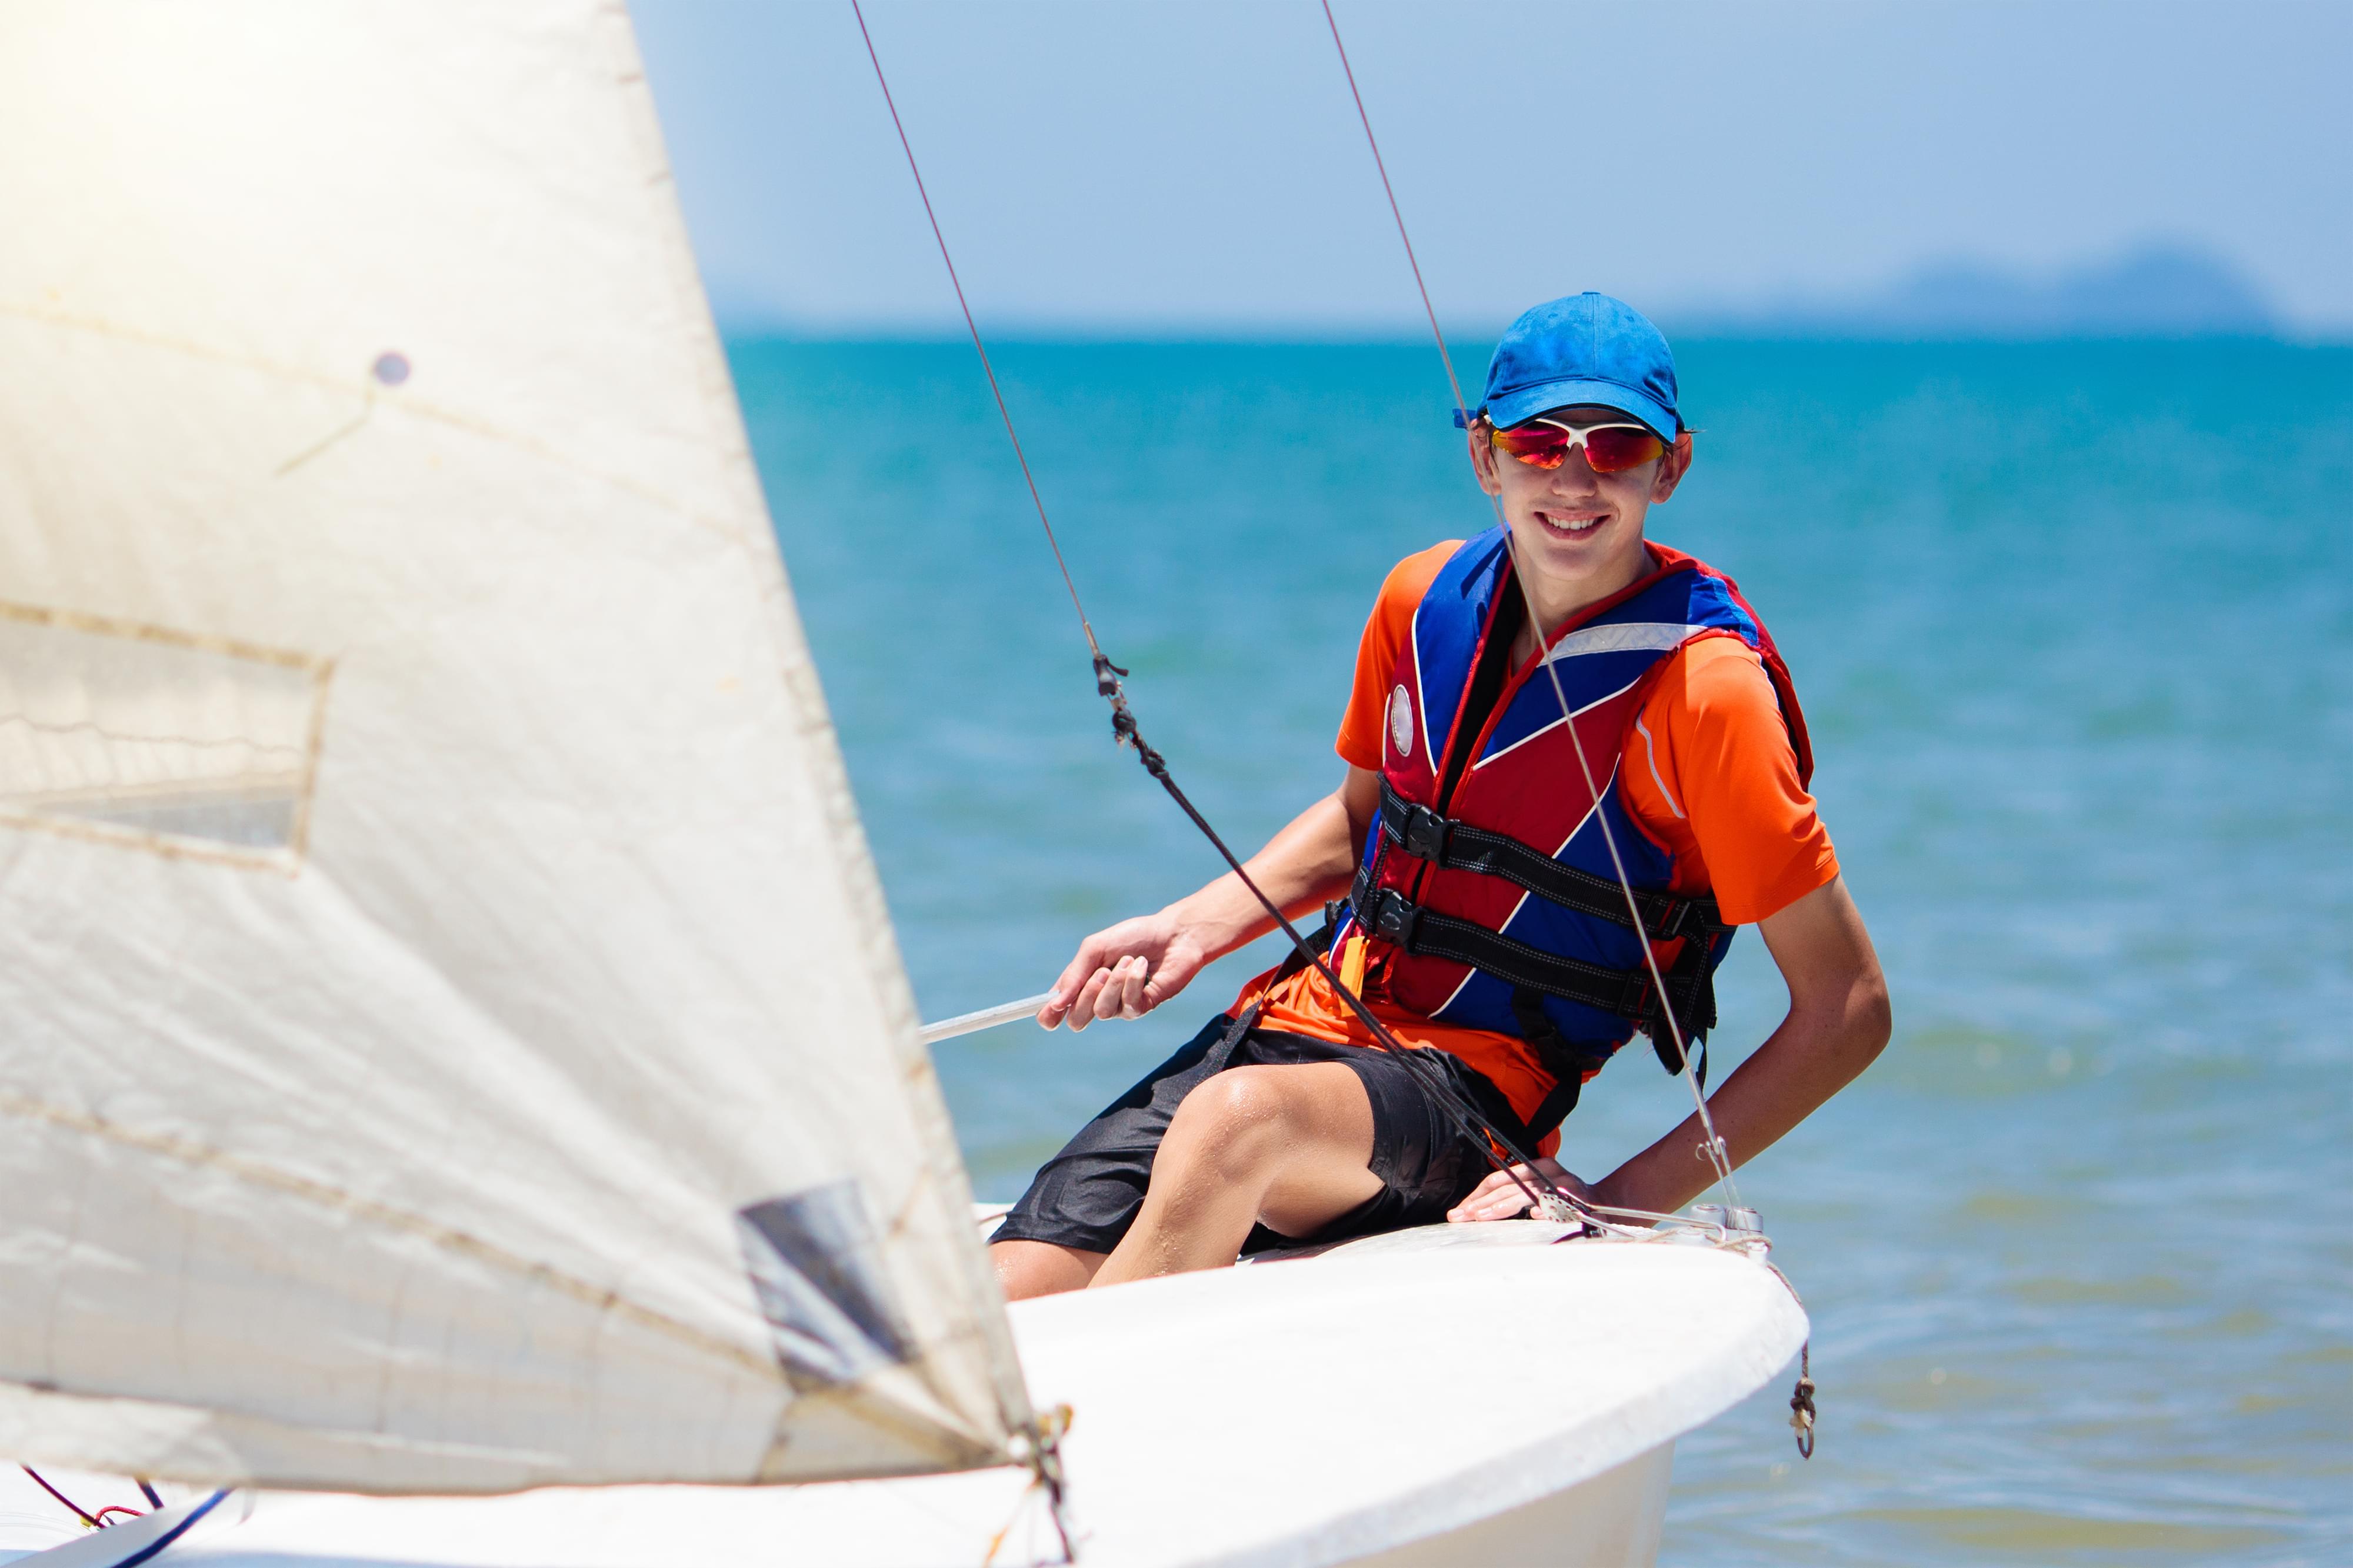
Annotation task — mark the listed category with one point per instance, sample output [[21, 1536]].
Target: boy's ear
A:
[[1483, 457], [1673, 467]]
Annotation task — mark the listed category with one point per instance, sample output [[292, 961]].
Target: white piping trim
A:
[[1469, 970], [1607, 785], [1651, 748], [1556, 724]]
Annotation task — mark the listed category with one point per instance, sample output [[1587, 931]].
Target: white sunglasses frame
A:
[[1577, 435]]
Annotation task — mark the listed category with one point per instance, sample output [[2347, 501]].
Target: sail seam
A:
[[287, 861], [108, 626], [408, 404], [326, 1195]]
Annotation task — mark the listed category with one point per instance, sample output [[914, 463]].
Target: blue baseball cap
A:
[[1586, 348]]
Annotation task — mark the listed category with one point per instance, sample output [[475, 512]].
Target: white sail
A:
[[453, 1037]]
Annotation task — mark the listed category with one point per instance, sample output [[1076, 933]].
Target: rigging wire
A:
[[986, 368], [71, 1506], [1718, 1155], [1512, 1160]]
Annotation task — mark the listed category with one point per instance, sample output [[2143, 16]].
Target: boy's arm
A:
[[1715, 734], [1838, 1022], [1125, 971]]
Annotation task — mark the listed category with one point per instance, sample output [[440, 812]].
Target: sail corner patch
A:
[[816, 1268]]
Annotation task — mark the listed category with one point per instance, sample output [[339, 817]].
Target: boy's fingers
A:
[[1499, 1203], [1073, 976], [1162, 983], [1083, 1005], [1099, 984], [1497, 1197], [1111, 997]]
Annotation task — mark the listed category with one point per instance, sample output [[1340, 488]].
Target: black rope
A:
[[1467, 1118]]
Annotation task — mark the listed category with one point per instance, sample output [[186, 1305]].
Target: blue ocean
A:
[[2072, 626]]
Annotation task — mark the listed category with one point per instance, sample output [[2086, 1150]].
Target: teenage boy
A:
[[1485, 924]]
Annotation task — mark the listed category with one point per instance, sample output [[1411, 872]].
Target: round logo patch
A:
[[1401, 721]]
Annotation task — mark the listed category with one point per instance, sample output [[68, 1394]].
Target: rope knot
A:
[[1801, 1405]]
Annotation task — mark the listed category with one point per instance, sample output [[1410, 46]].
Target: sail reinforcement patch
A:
[[816, 1268], [156, 738]]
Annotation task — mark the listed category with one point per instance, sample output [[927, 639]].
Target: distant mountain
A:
[[2158, 290]]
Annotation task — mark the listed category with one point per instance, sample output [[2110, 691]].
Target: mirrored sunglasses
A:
[[1609, 449]]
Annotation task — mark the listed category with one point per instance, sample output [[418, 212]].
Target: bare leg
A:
[[1287, 1143], [1027, 1269]]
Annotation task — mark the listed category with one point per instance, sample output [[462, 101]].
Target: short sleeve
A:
[[1711, 771], [1386, 632]]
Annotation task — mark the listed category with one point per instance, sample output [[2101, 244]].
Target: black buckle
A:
[[1688, 917], [1424, 832], [1393, 917]]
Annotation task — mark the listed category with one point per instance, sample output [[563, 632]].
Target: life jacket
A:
[[1500, 909]]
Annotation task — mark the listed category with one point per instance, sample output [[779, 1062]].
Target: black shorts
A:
[[1087, 1195]]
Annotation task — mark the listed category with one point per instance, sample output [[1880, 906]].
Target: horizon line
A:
[[753, 330]]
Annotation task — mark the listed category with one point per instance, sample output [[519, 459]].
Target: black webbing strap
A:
[[1561, 1059], [1459, 847], [1319, 940], [1626, 993]]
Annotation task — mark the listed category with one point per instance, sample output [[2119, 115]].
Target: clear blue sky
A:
[[1166, 168]]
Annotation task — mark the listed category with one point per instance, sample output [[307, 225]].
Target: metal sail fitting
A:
[[1038, 1445], [1123, 718]]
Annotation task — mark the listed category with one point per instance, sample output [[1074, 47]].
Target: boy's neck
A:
[[1554, 604]]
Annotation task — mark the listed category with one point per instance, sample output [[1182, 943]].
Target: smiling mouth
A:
[[1570, 525]]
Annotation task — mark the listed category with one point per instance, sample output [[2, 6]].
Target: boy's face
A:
[[1570, 525]]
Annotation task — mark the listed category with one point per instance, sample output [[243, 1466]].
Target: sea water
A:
[[2072, 625]]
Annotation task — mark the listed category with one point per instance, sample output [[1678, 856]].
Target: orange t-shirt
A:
[[1709, 773]]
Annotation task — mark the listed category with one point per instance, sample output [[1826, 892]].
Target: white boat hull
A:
[[1451, 1397], [1614, 1521]]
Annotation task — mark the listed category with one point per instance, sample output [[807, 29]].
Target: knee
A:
[[1026, 1268], [1235, 1121]]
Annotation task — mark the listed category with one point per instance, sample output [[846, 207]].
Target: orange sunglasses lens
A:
[[1537, 446], [1611, 450], [1615, 451]]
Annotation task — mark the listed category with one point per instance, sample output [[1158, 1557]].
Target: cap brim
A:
[[1527, 402]]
